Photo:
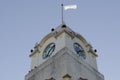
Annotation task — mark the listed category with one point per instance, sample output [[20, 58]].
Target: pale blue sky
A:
[[25, 22]]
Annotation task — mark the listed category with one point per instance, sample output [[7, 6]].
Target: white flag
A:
[[70, 7]]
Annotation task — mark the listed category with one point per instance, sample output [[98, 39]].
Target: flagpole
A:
[[62, 13]]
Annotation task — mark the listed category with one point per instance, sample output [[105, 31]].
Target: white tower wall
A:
[[64, 63]]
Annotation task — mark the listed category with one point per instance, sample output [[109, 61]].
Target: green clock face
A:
[[48, 50], [79, 50]]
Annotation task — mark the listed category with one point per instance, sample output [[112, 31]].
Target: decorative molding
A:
[[67, 32], [82, 78], [50, 78], [81, 38], [34, 52], [90, 50], [67, 76]]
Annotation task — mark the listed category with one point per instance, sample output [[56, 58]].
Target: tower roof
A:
[[63, 27], [58, 31]]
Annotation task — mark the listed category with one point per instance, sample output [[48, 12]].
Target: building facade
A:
[[63, 55]]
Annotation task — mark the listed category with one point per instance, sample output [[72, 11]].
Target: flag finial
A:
[[66, 7]]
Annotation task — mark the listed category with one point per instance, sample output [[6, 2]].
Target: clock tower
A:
[[63, 55]]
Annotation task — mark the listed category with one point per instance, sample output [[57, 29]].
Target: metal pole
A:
[[62, 13]]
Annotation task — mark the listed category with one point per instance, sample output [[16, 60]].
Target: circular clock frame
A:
[[79, 50], [48, 50]]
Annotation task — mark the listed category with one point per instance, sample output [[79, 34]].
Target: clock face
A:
[[48, 50], [79, 50]]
